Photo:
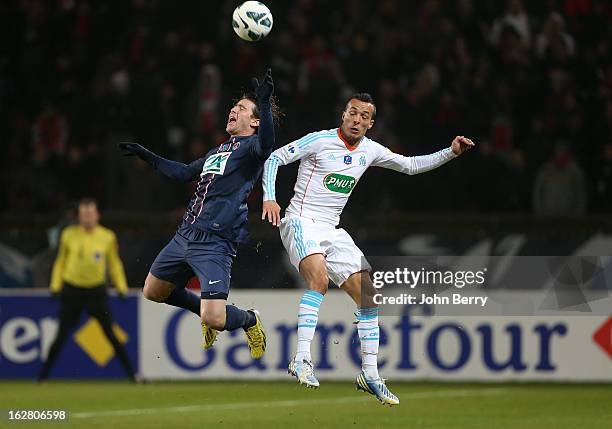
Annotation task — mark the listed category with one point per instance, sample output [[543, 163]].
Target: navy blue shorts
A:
[[192, 251]]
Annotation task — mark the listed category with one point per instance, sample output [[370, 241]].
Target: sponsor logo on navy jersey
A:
[[216, 163]]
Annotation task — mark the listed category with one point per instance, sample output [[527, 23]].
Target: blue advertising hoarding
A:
[[28, 325]]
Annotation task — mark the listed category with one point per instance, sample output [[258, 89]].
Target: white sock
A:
[[308, 316], [369, 335]]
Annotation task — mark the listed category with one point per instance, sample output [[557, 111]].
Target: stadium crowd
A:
[[530, 82]]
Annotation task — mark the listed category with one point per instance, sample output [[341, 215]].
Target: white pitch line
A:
[[290, 403]]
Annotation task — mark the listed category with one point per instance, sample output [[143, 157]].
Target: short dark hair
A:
[[366, 98], [86, 201], [277, 113]]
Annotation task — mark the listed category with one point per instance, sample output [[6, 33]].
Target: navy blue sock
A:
[[236, 318], [184, 299]]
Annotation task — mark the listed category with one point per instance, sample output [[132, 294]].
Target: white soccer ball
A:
[[252, 21]]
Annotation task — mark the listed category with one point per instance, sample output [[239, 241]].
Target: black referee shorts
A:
[[75, 300]]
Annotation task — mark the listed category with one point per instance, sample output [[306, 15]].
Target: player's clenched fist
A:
[[460, 144], [271, 210], [264, 90]]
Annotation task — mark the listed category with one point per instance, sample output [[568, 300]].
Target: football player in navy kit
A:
[[215, 220]]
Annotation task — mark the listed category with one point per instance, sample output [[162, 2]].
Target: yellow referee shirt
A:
[[83, 258]]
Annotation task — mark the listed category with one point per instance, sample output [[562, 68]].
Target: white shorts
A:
[[302, 237]]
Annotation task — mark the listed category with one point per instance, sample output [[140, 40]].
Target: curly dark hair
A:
[[277, 113]]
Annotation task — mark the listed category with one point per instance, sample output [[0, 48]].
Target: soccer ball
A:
[[252, 21]]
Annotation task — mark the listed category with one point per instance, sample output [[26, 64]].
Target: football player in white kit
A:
[[331, 164]]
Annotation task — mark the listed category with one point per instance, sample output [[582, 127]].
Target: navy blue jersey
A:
[[225, 177]]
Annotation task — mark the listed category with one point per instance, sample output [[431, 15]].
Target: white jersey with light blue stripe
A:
[[330, 169]]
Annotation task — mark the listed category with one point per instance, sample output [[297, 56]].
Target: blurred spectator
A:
[[554, 42], [69, 217], [209, 94], [494, 178], [49, 134], [284, 63], [559, 188], [78, 75], [516, 20], [319, 73]]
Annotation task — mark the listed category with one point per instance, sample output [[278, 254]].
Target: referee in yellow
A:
[[86, 252]]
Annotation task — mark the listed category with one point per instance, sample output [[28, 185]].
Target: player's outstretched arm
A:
[[287, 154], [263, 92], [421, 164], [271, 209], [172, 169]]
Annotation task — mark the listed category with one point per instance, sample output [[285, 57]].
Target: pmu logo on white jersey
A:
[[215, 164], [339, 183]]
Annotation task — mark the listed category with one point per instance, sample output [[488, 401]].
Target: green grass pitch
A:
[[335, 405]]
